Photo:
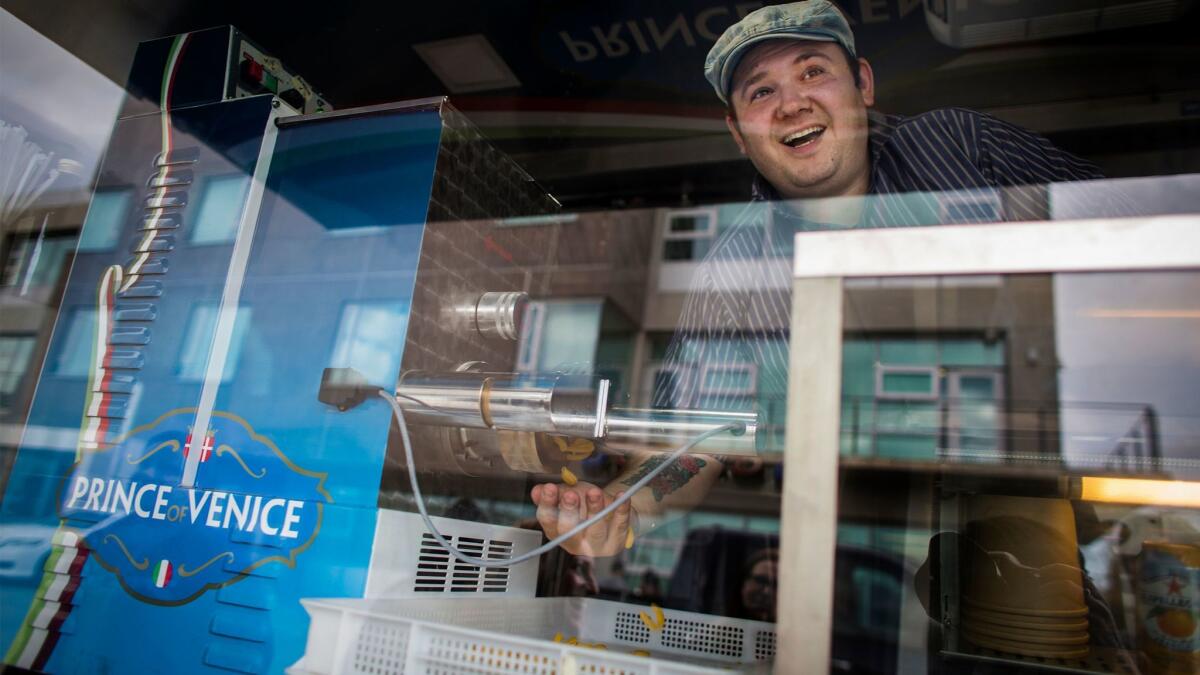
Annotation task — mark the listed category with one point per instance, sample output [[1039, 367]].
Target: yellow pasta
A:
[[629, 538], [574, 641], [568, 477], [640, 652], [656, 623]]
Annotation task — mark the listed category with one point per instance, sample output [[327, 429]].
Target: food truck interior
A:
[[299, 306]]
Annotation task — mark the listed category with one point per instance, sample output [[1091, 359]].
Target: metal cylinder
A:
[[562, 404], [443, 399], [639, 427], [498, 314]]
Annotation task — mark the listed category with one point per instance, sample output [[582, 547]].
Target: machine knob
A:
[[499, 314]]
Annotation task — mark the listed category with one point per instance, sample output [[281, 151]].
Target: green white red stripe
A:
[[52, 603], [163, 572], [96, 419], [141, 250]]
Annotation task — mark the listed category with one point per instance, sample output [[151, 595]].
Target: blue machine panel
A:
[[130, 565]]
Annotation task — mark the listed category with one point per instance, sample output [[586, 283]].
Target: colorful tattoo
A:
[[671, 479]]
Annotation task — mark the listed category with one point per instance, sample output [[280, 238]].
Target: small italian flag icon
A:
[[162, 573]]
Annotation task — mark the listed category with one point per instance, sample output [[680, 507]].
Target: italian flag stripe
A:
[[37, 638], [162, 573], [46, 615], [63, 564], [54, 589], [165, 112], [46, 650], [65, 538]]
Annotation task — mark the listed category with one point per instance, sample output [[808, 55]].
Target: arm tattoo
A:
[[671, 479]]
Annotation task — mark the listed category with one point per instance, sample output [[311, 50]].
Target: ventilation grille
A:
[[1069, 23], [1140, 13], [764, 645], [629, 627], [979, 34], [381, 649], [703, 637], [438, 572]]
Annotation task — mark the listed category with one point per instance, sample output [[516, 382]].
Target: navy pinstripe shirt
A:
[[950, 166]]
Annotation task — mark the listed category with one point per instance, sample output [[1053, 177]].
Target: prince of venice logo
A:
[[169, 544]]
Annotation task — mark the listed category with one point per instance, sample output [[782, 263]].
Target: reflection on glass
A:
[[75, 355], [1130, 376], [1051, 424], [105, 218], [36, 259], [216, 221], [366, 338], [197, 341], [561, 335], [15, 351]]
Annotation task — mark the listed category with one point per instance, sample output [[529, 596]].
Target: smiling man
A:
[[799, 106], [798, 109]]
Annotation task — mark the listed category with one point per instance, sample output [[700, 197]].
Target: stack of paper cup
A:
[[1023, 588]]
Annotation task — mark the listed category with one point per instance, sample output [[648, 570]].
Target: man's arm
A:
[[711, 328]]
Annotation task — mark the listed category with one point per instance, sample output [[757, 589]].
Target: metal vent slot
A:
[[1063, 24], [976, 35], [437, 571], [1153, 11]]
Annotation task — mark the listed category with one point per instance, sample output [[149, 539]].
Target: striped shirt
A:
[[946, 166]]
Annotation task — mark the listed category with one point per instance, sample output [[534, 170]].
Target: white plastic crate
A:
[[446, 636]]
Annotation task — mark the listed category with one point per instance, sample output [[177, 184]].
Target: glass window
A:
[[410, 190], [37, 259], [105, 219], [15, 353], [689, 234], [74, 357], [734, 378], [906, 382], [216, 222], [198, 342], [366, 335]]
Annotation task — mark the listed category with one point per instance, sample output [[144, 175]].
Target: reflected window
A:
[[15, 353], [36, 259], [738, 379], [922, 398], [105, 220], [531, 336], [216, 221], [560, 335], [197, 341], [75, 351], [368, 339], [906, 383], [667, 386], [970, 207], [689, 234]]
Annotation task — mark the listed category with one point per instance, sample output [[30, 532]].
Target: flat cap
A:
[[811, 20]]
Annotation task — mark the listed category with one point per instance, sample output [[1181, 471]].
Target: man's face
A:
[[800, 118]]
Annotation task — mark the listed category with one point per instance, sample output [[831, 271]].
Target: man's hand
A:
[[561, 507]]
